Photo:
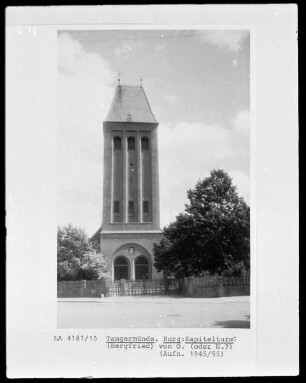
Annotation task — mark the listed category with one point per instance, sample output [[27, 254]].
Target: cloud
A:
[[231, 40], [242, 122], [188, 152], [84, 93], [241, 135]]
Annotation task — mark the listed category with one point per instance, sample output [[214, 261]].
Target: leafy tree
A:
[[66, 271], [76, 258], [72, 242], [93, 266], [212, 234]]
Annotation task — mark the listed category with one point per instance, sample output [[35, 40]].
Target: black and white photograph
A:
[[152, 225], [154, 178]]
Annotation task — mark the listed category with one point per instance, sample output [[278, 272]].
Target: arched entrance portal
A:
[[121, 268], [141, 268]]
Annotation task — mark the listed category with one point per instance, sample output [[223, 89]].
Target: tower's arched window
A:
[[145, 143], [131, 143], [117, 143]]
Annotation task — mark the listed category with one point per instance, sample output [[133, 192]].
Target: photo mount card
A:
[[152, 191]]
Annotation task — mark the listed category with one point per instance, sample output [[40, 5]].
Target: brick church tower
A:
[[131, 216]]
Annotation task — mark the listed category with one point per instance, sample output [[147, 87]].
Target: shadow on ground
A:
[[234, 323]]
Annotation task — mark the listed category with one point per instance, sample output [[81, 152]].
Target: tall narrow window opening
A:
[[131, 208], [117, 143], [145, 207], [116, 207], [144, 143], [131, 143]]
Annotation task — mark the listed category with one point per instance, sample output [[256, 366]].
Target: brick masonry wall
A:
[[111, 128], [113, 245]]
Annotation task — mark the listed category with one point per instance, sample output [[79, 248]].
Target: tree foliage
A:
[[212, 234], [76, 257], [72, 242]]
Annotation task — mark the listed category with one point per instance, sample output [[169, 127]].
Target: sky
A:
[[198, 86]]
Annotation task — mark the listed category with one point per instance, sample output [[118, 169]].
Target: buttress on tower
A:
[[131, 210]]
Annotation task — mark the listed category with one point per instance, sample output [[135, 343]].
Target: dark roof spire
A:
[[130, 104]]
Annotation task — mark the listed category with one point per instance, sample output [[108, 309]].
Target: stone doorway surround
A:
[[133, 253]]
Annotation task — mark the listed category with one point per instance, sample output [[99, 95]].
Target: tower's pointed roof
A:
[[130, 104]]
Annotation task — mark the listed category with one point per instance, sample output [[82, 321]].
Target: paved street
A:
[[154, 312]]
